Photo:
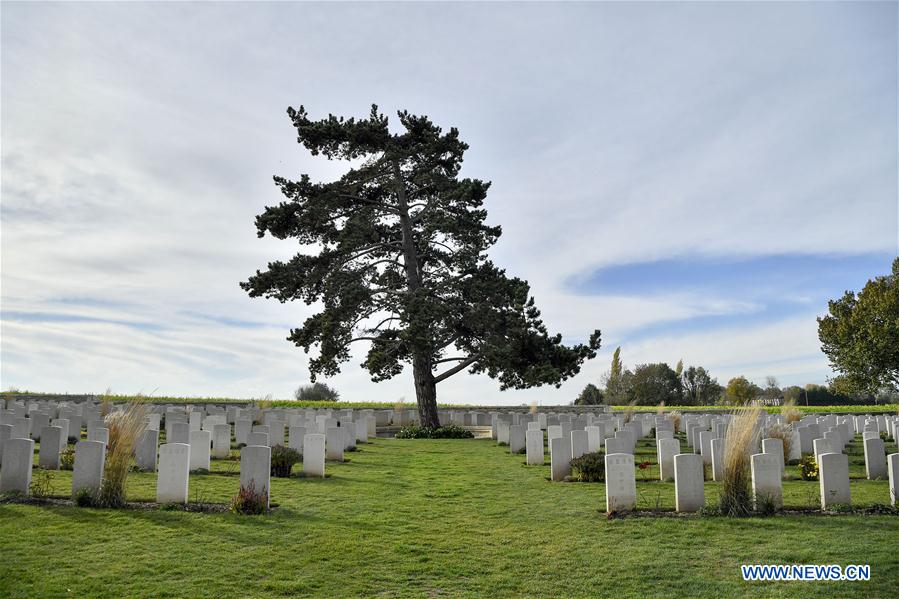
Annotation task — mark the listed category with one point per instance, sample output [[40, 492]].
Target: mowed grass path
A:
[[427, 518]]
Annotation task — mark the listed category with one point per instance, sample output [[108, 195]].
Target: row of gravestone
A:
[[687, 470]]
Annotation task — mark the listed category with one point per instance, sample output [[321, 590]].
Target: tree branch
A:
[[457, 368]]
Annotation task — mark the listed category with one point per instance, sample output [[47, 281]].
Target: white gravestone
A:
[[334, 444], [618, 445], [775, 447], [621, 482], [705, 445], [179, 433], [15, 472], [718, 459], [242, 428], [517, 439], [87, 473], [534, 442], [99, 434], [295, 438], [833, 475], [256, 438], [766, 474], [173, 477], [560, 458], [221, 441], [666, 449], [578, 443], [875, 459], [5, 433], [594, 438], [823, 446], [893, 470], [314, 455], [200, 442], [255, 469], [689, 488], [145, 451], [53, 440]]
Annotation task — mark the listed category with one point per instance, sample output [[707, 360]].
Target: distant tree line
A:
[[654, 383]]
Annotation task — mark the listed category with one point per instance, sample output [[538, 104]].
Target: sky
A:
[[694, 179]]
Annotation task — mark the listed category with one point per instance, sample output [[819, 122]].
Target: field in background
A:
[[410, 405]]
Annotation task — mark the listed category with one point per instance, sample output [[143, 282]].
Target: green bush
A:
[[451, 431], [283, 459], [316, 392], [249, 502], [590, 467], [808, 467], [67, 459], [85, 498]]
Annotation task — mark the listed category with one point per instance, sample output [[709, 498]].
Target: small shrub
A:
[[808, 467], [316, 392], [451, 431], [40, 483], [283, 459], [249, 502], [765, 505], [67, 459], [85, 498], [710, 510], [589, 468]]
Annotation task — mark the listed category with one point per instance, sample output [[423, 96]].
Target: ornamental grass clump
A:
[[739, 443], [784, 433], [125, 428], [790, 413], [675, 417]]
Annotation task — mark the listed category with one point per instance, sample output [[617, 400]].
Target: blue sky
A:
[[695, 179]]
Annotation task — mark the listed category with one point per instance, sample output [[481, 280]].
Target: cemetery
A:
[[359, 497]]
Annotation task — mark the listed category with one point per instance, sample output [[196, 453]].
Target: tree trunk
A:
[[425, 391], [425, 385]]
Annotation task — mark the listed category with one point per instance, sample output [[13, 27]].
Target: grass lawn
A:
[[425, 518]]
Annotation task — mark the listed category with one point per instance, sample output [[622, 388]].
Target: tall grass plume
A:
[[739, 443], [125, 428]]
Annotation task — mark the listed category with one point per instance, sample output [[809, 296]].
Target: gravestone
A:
[[221, 441], [200, 442], [875, 459], [334, 444], [179, 433], [502, 431], [295, 438], [99, 434], [255, 438], [833, 475], [362, 430], [145, 451], [594, 438], [64, 425], [621, 482], [5, 433], [560, 458], [823, 446], [517, 439], [664, 434], [173, 477], [795, 446], [766, 474], [255, 470], [689, 488], [242, 428], [578, 443], [314, 454], [618, 445], [705, 445], [718, 459], [90, 457], [893, 472], [534, 443], [39, 420], [52, 443], [775, 447], [553, 431], [15, 471], [666, 449]]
